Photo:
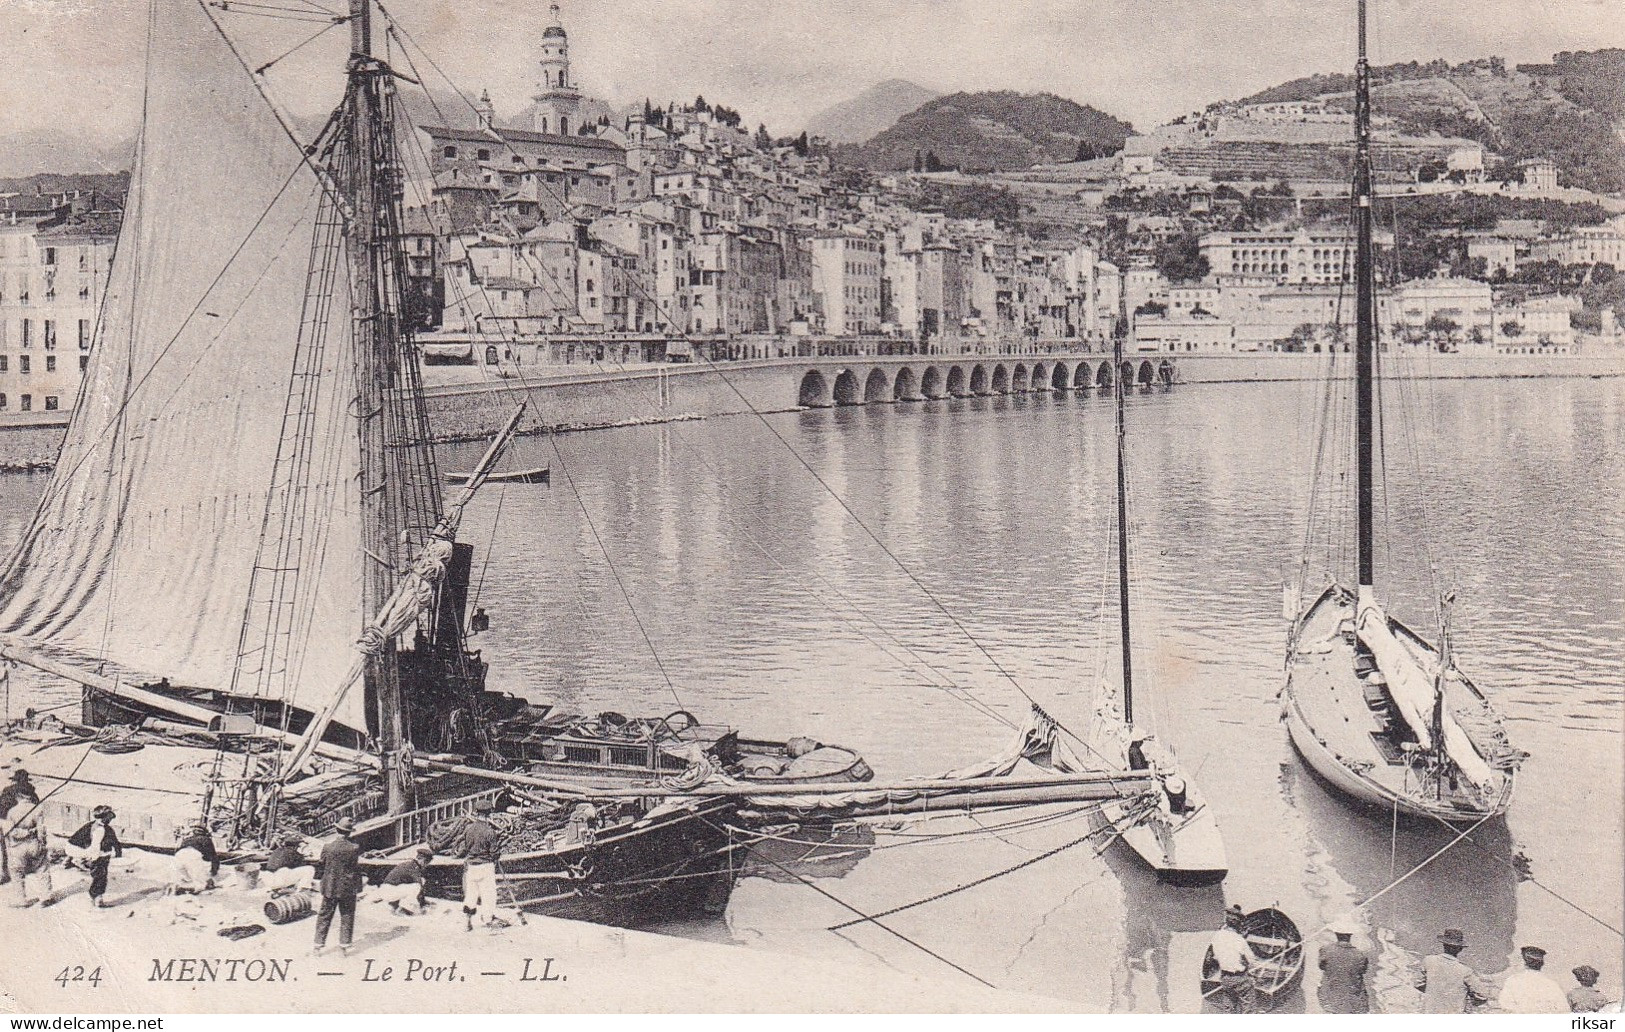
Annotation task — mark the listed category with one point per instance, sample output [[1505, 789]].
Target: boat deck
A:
[[1357, 723]]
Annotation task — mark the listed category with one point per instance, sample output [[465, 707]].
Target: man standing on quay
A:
[[341, 884], [1448, 986], [1343, 968]]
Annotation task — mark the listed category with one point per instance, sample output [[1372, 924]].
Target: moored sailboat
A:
[[1379, 712], [1179, 837]]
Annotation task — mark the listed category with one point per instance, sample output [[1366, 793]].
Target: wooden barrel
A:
[[289, 908]]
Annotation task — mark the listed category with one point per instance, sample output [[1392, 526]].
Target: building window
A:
[[51, 403], [50, 363], [28, 403], [84, 334], [5, 363], [450, 152], [484, 154], [3, 401], [23, 362], [50, 335], [50, 256]]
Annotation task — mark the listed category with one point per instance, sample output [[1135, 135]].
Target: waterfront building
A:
[[846, 282], [53, 273]]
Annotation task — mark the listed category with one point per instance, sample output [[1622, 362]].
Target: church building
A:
[[559, 136]]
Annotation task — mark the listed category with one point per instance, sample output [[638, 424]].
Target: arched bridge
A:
[[862, 381]]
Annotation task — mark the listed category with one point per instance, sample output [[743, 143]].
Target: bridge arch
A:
[[1148, 374], [1018, 379], [1103, 377], [876, 387], [846, 388], [931, 383], [1127, 373], [956, 381], [1165, 373], [1001, 379], [1039, 380], [1060, 378], [905, 389], [978, 380], [814, 391]]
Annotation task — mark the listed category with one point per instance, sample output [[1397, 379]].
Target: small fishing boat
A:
[[1380, 713], [538, 475], [1277, 947]]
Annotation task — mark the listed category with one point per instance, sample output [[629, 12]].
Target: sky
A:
[[73, 67]]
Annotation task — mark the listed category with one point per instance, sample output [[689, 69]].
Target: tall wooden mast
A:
[[368, 194], [1365, 331], [1120, 390]]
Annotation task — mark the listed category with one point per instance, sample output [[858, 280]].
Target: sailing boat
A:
[[1179, 837], [1379, 712], [243, 557], [269, 629]]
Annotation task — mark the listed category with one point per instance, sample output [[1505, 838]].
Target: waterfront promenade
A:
[[474, 400]]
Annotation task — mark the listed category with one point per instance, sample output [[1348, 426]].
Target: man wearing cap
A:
[[1343, 968], [95, 845], [1532, 991], [480, 847], [341, 884], [405, 887], [26, 852], [1448, 986], [1235, 959], [1586, 998]]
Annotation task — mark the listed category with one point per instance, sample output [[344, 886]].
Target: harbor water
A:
[[900, 579]]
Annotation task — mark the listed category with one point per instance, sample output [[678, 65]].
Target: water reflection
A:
[[1471, 886]]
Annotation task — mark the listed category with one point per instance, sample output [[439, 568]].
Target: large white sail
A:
[[142, 552]]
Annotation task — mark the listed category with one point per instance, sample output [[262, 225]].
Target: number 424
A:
[[77, 973]]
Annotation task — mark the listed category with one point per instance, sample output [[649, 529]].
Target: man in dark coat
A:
[[97, 844], [340, 885], [1343, 968]]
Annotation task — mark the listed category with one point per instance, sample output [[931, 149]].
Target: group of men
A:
[[405, 888], [25, 855], [1447, 984], [26, 869]]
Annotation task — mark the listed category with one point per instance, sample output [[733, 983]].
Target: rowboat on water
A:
[[1277, 948], [537, 475]]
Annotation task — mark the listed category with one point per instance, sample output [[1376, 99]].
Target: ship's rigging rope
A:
[[1113, 830]]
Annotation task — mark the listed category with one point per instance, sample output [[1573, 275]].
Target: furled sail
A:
[[1412, 689], [143, 548]]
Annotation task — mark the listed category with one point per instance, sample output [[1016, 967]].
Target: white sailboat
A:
[[1380, 713], [1178, 837]]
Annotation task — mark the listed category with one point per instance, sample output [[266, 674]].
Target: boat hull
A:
[[1342, 753], [672, 865], [1187, 853]]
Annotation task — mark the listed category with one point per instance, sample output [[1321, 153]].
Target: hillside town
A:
[[570, 238]]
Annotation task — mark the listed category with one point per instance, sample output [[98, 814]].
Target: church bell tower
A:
[[558, 102]]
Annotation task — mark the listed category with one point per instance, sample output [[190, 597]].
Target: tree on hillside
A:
[[932, 164], [763, 140], [803, 148], [700, 106], [1180, 258]]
